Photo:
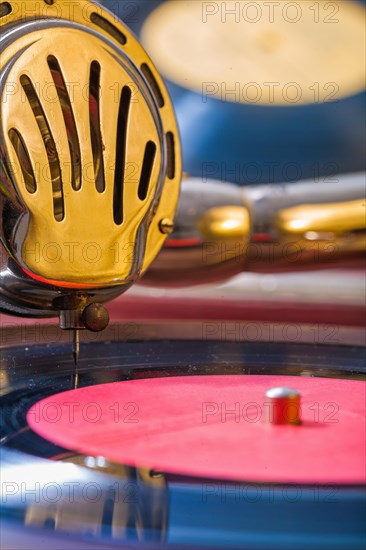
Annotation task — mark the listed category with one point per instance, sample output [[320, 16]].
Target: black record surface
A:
[[175, 513], [41, 371]]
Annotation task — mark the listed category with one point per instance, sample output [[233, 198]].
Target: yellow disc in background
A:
[[268, 52]]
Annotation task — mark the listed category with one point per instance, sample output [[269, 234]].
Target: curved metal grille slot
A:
[[171, 155], [147, 167], [24, 160], [5, 9], [121, 148], [50, 146], [69, 119], [146, 71], [108, 27], [95, 127]]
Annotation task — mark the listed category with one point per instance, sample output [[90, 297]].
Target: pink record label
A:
[[213, 426]]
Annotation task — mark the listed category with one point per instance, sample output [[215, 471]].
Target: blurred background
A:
[[265, 93]]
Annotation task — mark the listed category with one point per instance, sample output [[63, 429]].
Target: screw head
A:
[[166, 226], [95, 317]]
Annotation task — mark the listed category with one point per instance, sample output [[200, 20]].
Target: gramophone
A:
[[90, 181]]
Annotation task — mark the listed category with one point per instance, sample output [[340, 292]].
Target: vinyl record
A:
[[264, 93], [187, 475]]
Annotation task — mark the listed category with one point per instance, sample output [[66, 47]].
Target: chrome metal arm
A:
[[222, 229]]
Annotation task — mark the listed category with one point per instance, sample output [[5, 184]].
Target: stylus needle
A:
[[75, 354]]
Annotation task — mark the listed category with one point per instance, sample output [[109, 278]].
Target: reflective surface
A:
[[222, 229], [74, 219]]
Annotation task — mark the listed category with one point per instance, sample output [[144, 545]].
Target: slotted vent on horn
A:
[[88, 141], [49, 145]]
